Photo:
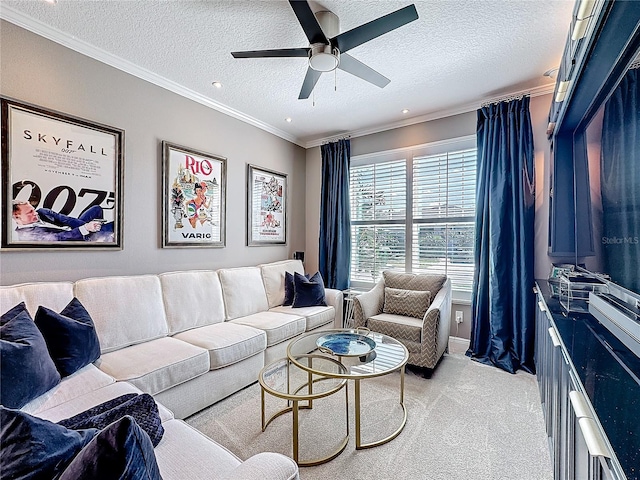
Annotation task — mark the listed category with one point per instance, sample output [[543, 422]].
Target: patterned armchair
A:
[[414, 309]]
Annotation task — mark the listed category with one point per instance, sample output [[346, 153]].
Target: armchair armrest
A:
[[265, 465], [438, 317], [335, 299], [368, 304]]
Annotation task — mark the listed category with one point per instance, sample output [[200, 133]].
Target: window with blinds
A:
[[416, 215]]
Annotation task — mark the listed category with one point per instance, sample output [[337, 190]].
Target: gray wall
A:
[[433, 131], [44, 73], [41, 72]]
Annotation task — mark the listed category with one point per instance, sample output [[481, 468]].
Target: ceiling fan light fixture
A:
[[323, 58]]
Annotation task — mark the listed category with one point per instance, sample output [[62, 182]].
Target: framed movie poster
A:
[[266, 207], [193, 197], [61, 180]]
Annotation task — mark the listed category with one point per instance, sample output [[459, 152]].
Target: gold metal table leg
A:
[[295, 431], [357, 395], [262, 408]]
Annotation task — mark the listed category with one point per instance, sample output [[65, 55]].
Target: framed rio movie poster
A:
[[193, 197]]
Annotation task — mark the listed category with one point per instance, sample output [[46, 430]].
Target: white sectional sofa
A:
[[189, 339]]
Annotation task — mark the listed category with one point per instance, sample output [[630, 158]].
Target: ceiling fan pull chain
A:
[[313, 98], [335, 80]]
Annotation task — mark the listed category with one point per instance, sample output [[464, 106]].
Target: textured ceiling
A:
[[456, 55]]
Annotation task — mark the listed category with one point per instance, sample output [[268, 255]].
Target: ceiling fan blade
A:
[[359, 35], [310, 80], [282, 52], [308, 21], [359, 69]]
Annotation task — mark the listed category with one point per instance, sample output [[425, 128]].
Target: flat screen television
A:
[[612, 142], [613, 161]]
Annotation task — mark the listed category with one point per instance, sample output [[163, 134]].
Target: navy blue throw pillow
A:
[[70, 335], [33, 448], [288, 289], [309, 292], [27, 370], [19, 308], [122, 451], [142, 408]]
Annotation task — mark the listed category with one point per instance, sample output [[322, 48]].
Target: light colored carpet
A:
[[469, 421]]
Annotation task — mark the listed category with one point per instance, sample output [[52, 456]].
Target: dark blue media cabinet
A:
[[590, 390]]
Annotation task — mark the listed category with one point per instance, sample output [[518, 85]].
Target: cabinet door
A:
[[551, 373], [564, 420], [544, 350], [591, 456]]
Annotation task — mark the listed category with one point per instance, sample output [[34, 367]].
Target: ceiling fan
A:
[[327, 46]]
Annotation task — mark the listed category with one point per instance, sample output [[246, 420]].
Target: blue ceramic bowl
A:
[[346, 344]]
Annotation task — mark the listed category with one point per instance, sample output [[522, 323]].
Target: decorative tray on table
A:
[[346, 344]]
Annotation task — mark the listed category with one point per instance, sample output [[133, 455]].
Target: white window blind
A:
[[378, 217], [437, 236], [443, 216]]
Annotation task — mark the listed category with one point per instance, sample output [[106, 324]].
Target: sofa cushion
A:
[[315, 316], [27, 369], [54, 295], [265, 465], [410, 303], [70, 336], [192, 299], [400, 327], [413, 281], [33, 448], [243, 291], [186, 453], [273, 277], [227, 342], [142, 407], [156, 365], [85, 380], [278, 326], [87, 400], [308, 292], [125, 310], [120, 451]]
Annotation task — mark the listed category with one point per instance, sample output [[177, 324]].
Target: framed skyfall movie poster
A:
[[266, 207], [61, 180], [193, 197]]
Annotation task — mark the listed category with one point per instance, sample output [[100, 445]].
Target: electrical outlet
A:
[[459, 316]]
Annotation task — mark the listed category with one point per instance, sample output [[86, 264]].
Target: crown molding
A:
[[469, 107], [20, 19]]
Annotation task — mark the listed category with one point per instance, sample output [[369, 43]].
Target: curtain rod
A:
[[506, 98], [335, 139]]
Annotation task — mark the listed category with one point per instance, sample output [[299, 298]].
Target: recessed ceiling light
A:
[[217, 84], [52, 2], [405, 110], [288, 119]]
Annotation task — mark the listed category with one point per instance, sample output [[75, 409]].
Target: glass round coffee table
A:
[[364, 354], [295, 382]]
